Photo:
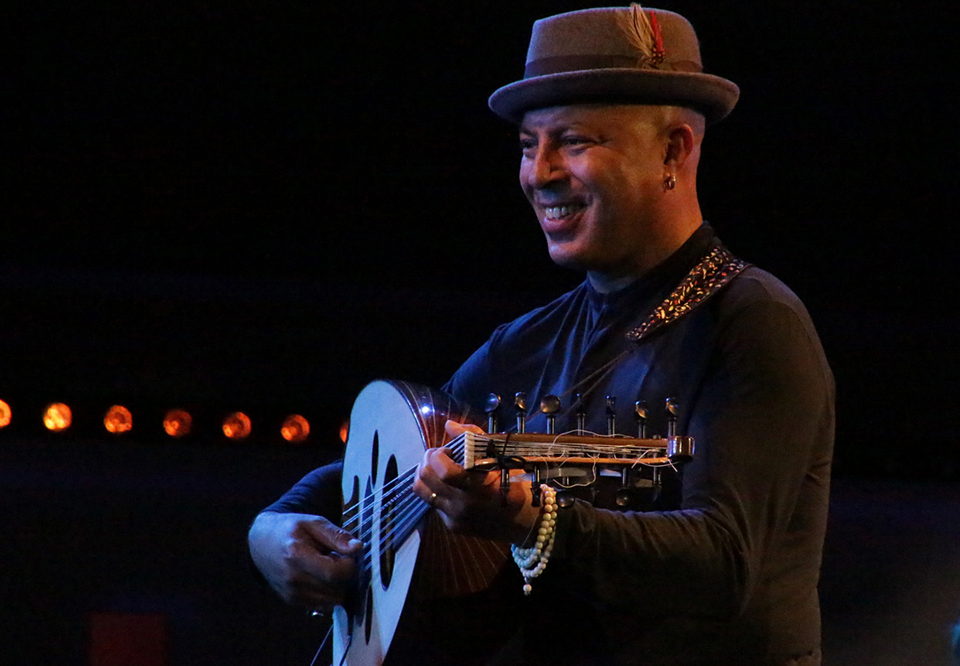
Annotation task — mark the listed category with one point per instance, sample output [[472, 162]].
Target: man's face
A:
[[594, 176]]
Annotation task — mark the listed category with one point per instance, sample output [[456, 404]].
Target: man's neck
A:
[[606, 283]]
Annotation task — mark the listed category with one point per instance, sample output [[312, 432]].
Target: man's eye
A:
[[575, 140], [526, 146]]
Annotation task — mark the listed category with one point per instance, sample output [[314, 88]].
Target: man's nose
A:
[[546, 167]]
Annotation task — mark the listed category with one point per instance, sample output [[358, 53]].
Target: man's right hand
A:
[[306, 559]]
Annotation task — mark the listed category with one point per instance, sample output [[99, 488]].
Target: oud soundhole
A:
[[387, 528], [368, 616], [366, 515], [375, 455], [363, 578]]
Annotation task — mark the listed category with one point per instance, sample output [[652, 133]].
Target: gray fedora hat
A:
[[615, 55]]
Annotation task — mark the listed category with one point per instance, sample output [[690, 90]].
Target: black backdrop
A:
[[349, 147], [268, 204]]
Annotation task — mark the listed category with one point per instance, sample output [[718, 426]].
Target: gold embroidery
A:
[[704, 280]]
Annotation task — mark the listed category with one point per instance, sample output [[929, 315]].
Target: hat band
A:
[[575, 63]]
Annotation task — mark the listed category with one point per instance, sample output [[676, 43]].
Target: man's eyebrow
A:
[[549, 130]]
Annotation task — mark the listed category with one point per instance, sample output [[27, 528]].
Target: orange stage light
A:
[[237, 426], [118, 420], [57, 417], [344, 431], [295, 428], [177, 423], [5, 414]]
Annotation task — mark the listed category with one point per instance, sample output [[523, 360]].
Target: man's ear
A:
[[681, 142]]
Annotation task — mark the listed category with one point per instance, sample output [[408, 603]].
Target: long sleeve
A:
[[318, 493]]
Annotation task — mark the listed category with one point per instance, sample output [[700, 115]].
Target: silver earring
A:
[[669, 182]]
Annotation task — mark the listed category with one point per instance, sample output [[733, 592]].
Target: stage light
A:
[[118, 420], [237, 426], [295, 428], [177, 423], [57, 417], [344, 431], [5, 414]]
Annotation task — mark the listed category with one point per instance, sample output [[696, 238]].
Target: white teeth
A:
[[556, 212]]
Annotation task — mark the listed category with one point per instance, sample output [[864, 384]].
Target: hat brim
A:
[[711, 95]]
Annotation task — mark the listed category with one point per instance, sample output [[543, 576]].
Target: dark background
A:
[[263, 206]]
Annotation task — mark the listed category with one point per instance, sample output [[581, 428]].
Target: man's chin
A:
[[567, 257]]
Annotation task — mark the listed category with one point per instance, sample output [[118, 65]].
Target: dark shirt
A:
[[729, 576]]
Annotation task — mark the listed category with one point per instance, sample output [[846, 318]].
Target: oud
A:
[[409, 557]]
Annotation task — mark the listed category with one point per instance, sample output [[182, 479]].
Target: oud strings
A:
[[400, 511]]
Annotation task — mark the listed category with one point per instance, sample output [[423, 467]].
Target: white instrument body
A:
[[382, 415]]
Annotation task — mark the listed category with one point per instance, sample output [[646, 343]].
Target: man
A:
[[612, 111]]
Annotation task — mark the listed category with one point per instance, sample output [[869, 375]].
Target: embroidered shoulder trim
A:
[[703, 281]]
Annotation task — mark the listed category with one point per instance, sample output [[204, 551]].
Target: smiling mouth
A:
[[560, 212]]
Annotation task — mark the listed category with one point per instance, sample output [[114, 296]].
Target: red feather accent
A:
[[658, 51]]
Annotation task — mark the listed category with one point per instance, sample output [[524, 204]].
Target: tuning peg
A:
[[535, 489], [611, 415], [622, 497], [640, 414], [492, 408], [672, 409], [581, 414], [550, 405], [520, 402]]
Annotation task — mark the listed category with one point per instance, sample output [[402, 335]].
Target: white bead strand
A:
[[532, 561]]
